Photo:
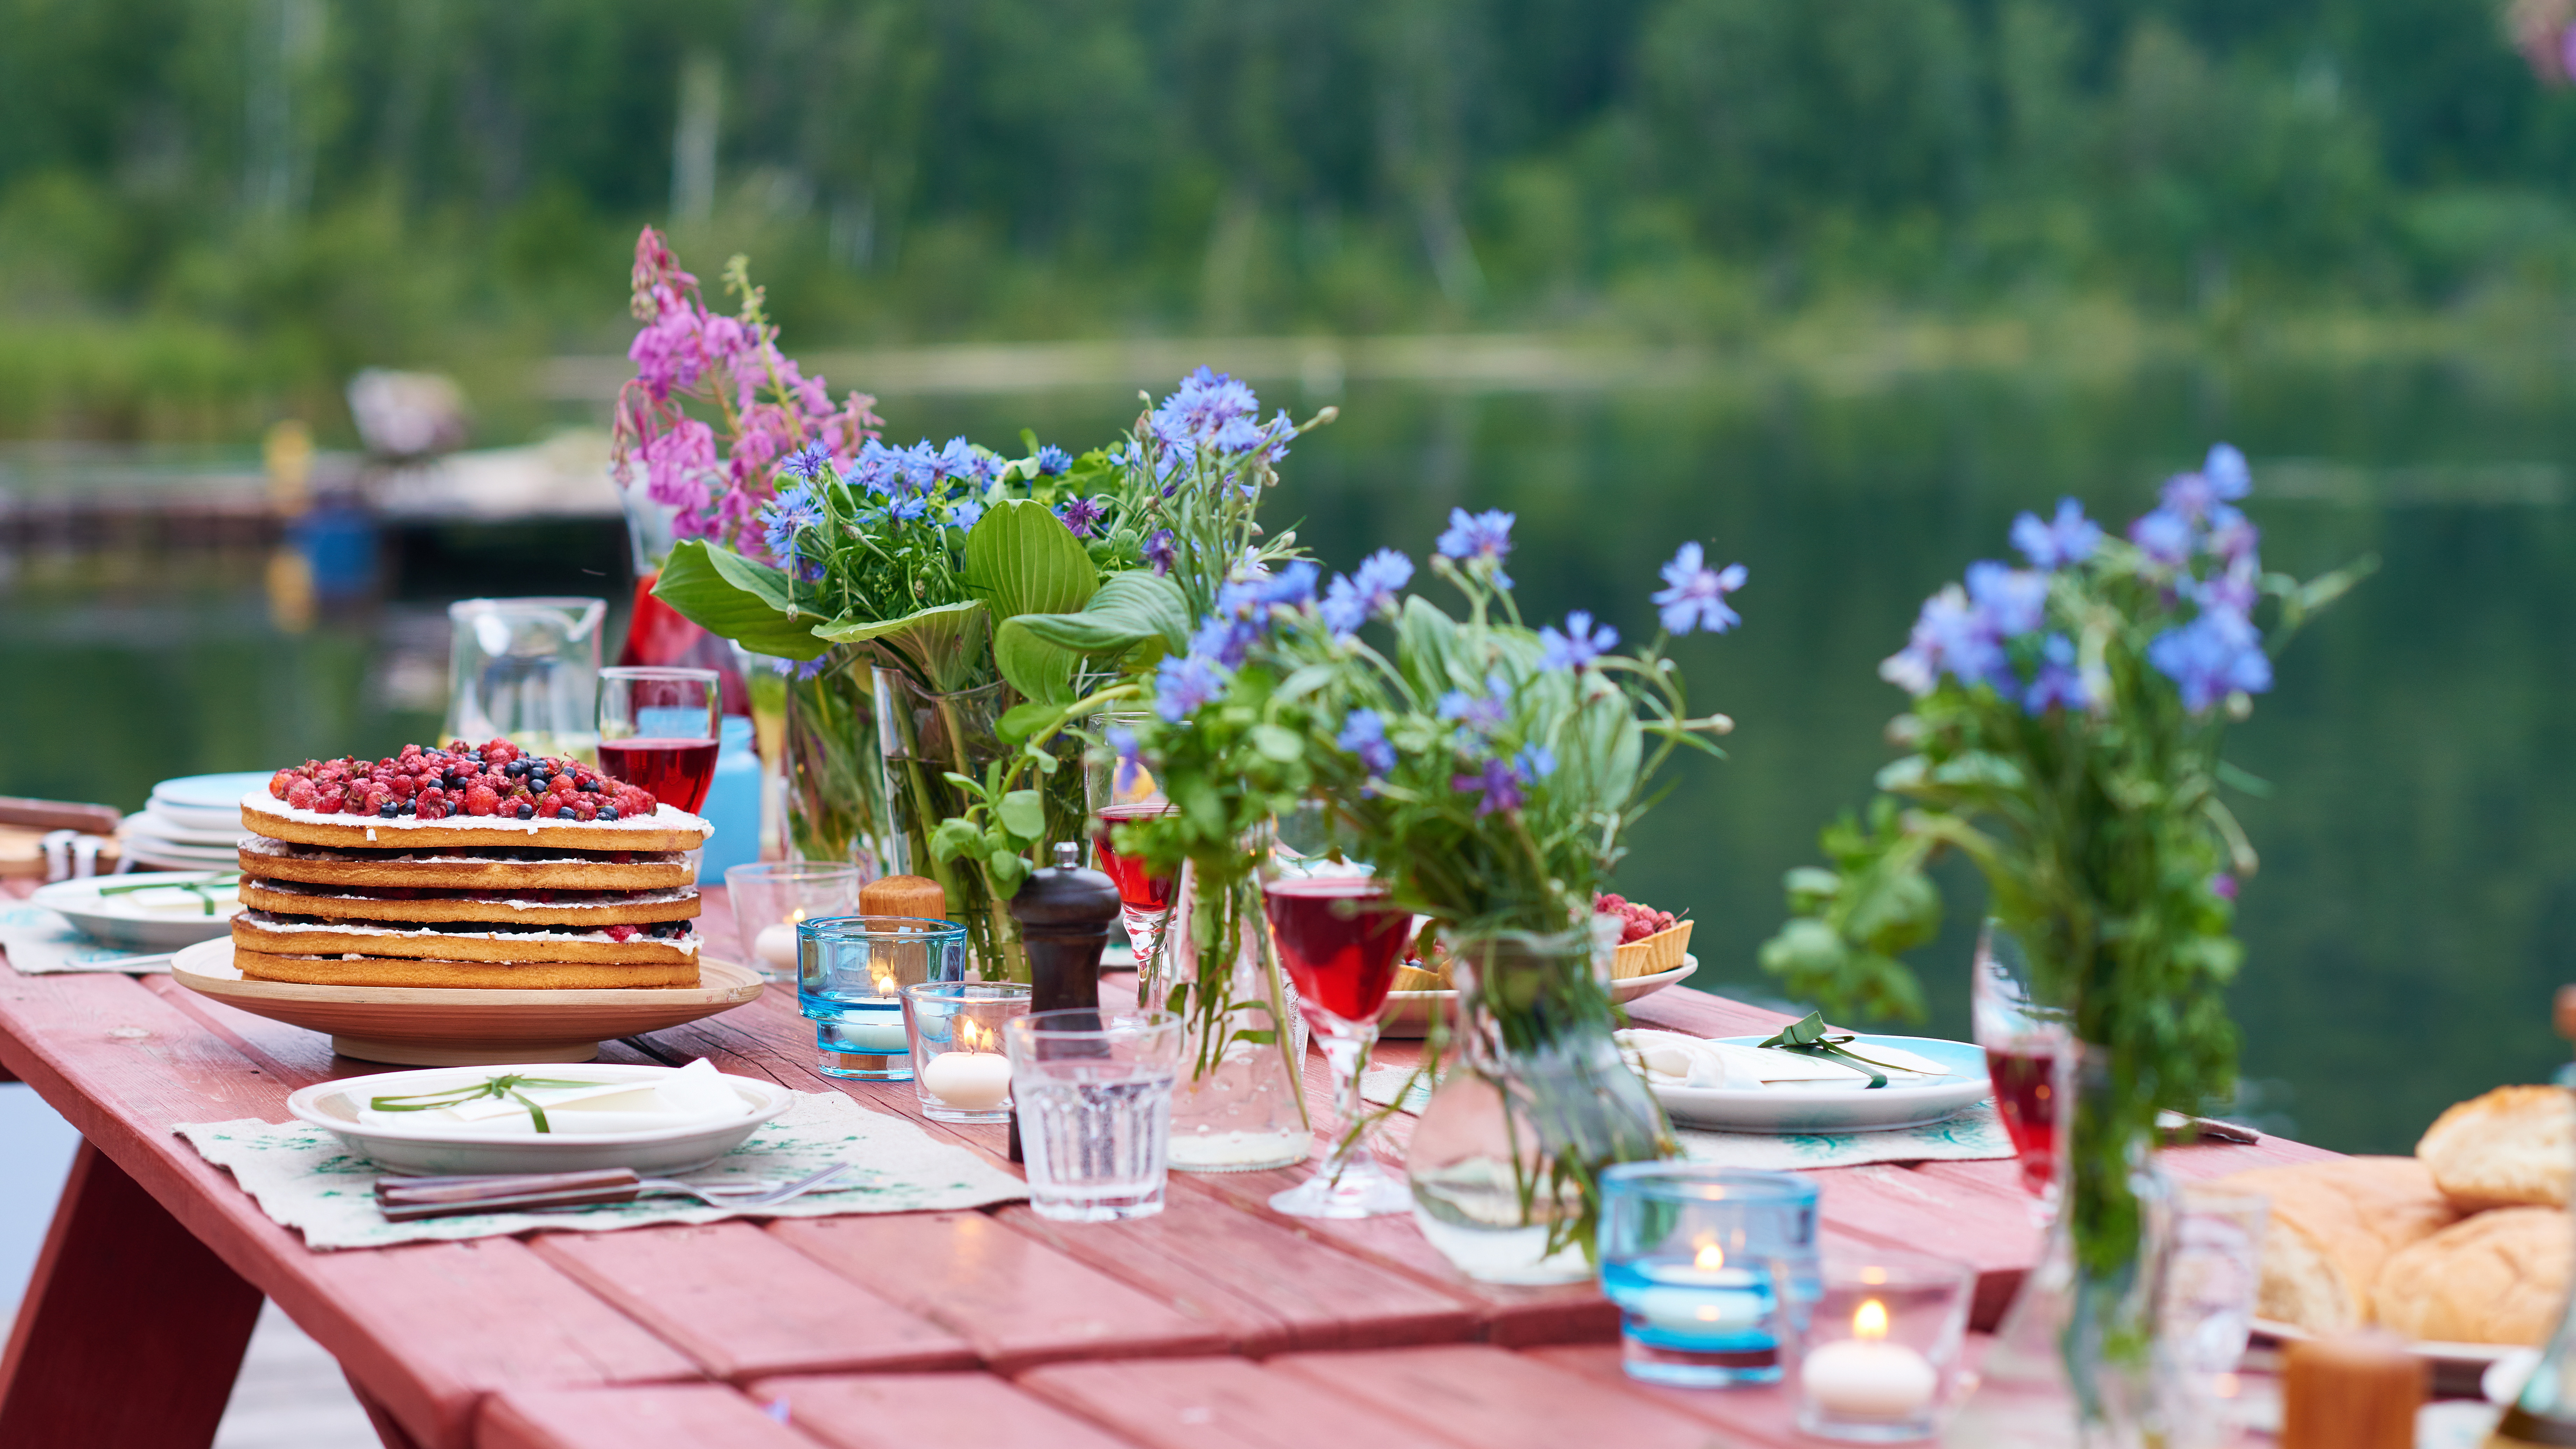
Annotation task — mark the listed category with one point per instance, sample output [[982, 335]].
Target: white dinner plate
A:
[[435, 1152], [220, 793], [1408, 1013], [223, 836], [1814, 1107], [146, 920]]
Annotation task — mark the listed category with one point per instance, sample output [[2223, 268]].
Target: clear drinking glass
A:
[[2212, 1273], [1875, 1357], [1094, 1090], [771, 898], [2023, 1040], [1339, 936], [659, 730], [959, 1070], [1711, 1268], [1117, 792], [850, 975], [525, 670]]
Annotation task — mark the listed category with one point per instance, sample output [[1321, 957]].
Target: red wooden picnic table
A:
[[1217, 1323]]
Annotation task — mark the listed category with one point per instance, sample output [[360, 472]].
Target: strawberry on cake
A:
[[466, 867]]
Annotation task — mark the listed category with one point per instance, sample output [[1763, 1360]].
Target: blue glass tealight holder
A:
[[1712, 1269], [850, 976]]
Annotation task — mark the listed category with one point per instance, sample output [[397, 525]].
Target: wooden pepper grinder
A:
[[1064, 913], [2350, 1391]]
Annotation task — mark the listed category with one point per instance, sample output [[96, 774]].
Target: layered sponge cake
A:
[[465, 867]]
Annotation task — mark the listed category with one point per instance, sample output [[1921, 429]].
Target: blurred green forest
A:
[[212, 210]]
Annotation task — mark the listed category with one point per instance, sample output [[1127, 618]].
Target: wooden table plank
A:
[[698, 1416], [908, 1411], [1764, 1413], [745, 1304], [1997, 1233], [1498, 1399], [1228, 1403], [1018, 1301]]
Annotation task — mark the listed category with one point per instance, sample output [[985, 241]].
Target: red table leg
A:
[[131, 1333]]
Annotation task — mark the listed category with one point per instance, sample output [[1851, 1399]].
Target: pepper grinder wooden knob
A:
[[917, 896], [2350, 1391]]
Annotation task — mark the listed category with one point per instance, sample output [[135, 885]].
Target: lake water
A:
[[2417, 901]]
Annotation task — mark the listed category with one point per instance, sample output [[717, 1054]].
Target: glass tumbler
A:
[[1710, 1267], [1876, 1355], [772, 898], [958, 1067], [850, 975], [1094, 1090]]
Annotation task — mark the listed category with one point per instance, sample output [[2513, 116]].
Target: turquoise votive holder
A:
[[1711, 1267], [850, 976]]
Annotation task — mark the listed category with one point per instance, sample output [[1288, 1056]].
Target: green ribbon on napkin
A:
[[203, 890], [507, 1085], [1810, 1036]]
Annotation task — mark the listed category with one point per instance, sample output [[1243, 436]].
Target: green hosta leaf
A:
[[1037, 669], [731, 597], [1023, 813], [1021, 559], [1426, 649], [1279, 744], [941, 644], [1129, 608]]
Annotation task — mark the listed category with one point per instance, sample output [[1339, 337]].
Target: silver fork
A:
[[409, 1199]]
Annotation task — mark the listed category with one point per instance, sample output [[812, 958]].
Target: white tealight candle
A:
[[776, 947], [1862, 1378], [968, 1081], [870, 1031]]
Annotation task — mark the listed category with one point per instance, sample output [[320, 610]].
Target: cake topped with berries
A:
[[466, 867]]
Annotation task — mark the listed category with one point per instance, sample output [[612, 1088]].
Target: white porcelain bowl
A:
[[441, 1152], [146, 920]]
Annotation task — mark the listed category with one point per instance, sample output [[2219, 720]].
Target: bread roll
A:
[[2333, 1224], [2498, 1277], [2513, 1147]]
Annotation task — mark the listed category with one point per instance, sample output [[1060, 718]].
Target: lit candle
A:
[[776, 945], [1705, 1302], [968, 1081], [1866, 1377], [868, 1029]]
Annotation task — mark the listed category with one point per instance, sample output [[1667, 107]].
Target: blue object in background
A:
[[733, 803], [338, 541]]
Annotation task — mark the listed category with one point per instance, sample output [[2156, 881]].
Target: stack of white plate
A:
[[192, 823]]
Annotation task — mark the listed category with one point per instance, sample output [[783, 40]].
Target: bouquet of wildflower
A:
[[2064, 736], [731, 368]]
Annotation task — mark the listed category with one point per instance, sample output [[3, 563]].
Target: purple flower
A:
[[1123, 740], [1482, 713], [2229, 478], [1206, 403], [1578, 646], [1369, 589], [1697, 598], [1950, 637], [2188, 496], [2236, 591], [2163, 536], [1053, 460], [1082, 515], [2058, 683], [966, 513], [2223, 886], [1485, 536], [1497, 783], [2231, 536], [2212, 657], [2061, 542], [2014, 601], [1182, 685], [1364, 734], [806, 461], [1160, 552]]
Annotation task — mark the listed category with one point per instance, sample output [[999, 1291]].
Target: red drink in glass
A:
[[678, 771], [1139, 889], [2026, 1098], [1339, 941]]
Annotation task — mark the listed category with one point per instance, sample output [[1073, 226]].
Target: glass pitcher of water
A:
[[527, 671]]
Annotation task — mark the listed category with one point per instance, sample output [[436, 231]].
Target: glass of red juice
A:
[[1340, 936], [1121, 790], [658, 730], [2024, 1040]]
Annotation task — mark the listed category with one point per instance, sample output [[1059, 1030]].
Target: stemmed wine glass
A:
[[2024, 1041], [658, 731], [1117, 792], [1340, 936]]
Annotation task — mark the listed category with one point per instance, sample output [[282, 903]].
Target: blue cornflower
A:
[[916, 470], [2163, 536], [791, 512], [2061, 542], [909, 507], [2212, 657], [878, 468], [1082, 515], [1952, 637], [2014, 601], [1201, 409], [2234, 590], [1225, 638], [2058, 682], [807, 461], [1578, 646], [1290, 587], [1486, 536], [1369, 589], [956, 460], [1534, 763], [807, 670], [1053, 460], [1364, 734], [1123, 740], [1482, 713], [1697, 598], [1497, 783], [966, 512], [2228, 476], [2232, 536], [1182, 685], [1160, 552]]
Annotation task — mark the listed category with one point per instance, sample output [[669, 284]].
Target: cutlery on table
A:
[[405, 1199]]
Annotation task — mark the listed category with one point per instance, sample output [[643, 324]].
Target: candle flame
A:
[[1870, 1320], [796, 916], [973, 1035], [885, 982], [1711, 1257]]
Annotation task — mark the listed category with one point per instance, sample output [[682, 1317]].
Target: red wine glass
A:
[[658, 730], [1340, 936], [1121, 791], [2024, 1041]]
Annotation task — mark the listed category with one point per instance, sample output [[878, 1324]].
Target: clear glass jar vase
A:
[[833, 774], [1240, 1104], [1505, 1161], [2077, 1362]]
